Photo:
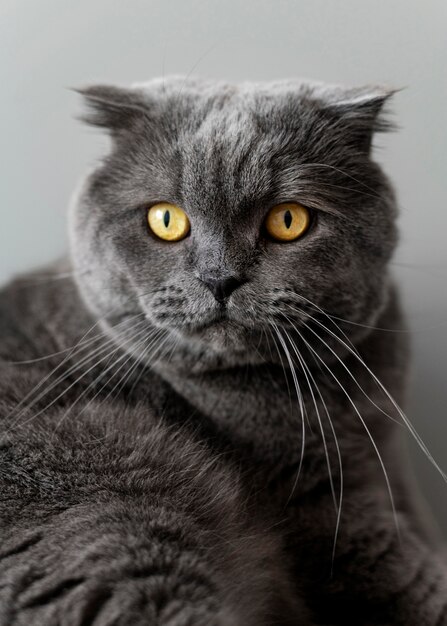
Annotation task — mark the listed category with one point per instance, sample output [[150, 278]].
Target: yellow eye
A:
[[168, 221], [287, 221]]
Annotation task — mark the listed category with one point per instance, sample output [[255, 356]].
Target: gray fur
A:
[[176, 475]]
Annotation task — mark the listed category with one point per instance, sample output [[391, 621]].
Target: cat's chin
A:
[[221, 336]]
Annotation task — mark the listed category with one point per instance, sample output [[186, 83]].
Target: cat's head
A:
[[224, 157]]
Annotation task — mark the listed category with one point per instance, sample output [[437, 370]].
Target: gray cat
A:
[[200, 412]]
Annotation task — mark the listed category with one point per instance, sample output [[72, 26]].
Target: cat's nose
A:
[[221, 288]]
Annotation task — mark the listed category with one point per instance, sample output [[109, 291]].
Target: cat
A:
[[200, 408]]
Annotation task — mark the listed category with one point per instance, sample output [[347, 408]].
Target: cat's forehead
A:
[[209, 142], [218, 153], [236, 145], [213, 107], [225, 156]]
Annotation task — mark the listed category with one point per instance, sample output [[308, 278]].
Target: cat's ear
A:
[[362, 113], [113, 108]]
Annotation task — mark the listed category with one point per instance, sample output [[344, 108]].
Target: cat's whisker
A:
[[136, 381], [353, 351], [79, 345], [104, 347], [260, 342], [159, 354], [317, 412], [391, 330], [332, 318], [169, 356], [19, 422], [300, 403], [48, 376], [153, 344], [268, 330], [365, 426], [286, 378], [338, 505], [152, 357], [323, 312], [137, 360], [75, 382], [343, 188], [72, 351], [340, 466], [400, 412], [93, 384], [340, 171], [138, 378], [130, 355]]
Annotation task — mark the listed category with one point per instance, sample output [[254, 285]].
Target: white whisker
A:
[[289, 393], [73, 351], [368, 432], [379, 408], [338, 506], [93, 384], [301, 405], [323, 312], [138, 359], [317, 411], [59, 396], [404, 418]]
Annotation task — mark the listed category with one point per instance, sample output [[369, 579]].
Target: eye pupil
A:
[[166, 218], [287, 219]]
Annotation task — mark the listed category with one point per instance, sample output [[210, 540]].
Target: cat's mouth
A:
[[220, 329], [218, 320]]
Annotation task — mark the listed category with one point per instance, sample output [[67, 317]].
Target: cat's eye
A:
[[168, 221], [287, 221]]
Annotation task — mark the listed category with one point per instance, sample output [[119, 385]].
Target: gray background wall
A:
[[49, 45]]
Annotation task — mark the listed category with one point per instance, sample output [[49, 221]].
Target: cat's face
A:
[[226, 155]]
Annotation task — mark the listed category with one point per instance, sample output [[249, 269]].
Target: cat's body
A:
[[121, 515], [179, 469]]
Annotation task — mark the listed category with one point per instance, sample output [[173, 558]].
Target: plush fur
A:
[[169, 459]]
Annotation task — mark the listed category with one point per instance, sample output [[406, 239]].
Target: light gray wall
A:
[[47, 46]]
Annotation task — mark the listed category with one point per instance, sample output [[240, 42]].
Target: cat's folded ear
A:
[[113, 108], [362, 113]]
